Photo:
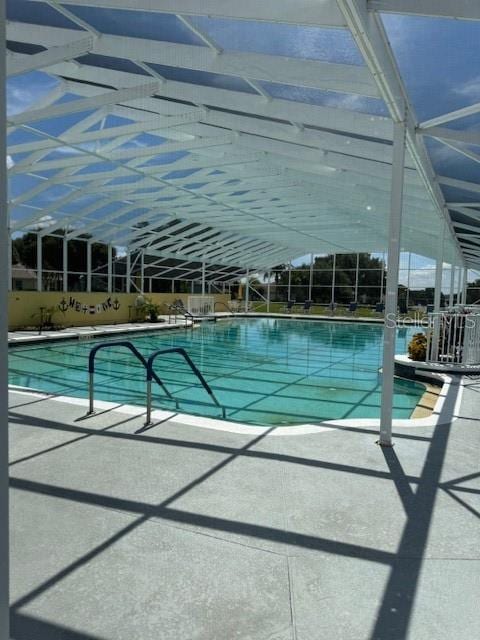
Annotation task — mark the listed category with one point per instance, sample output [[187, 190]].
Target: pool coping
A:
[[444, 404], [90, 332], [87, 331]]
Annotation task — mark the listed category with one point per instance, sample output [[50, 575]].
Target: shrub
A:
[[417, 348]]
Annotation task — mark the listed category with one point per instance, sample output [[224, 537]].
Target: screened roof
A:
[[244, 134]]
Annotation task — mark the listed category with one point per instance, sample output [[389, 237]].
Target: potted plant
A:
[[417, 348], [45, 317], [152, 310]]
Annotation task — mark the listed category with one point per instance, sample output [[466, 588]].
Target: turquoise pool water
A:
[[264, 371]]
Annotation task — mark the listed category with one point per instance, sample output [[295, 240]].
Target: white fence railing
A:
[[454, 338], [201, 305]]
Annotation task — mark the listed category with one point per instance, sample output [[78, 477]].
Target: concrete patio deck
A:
[[185, 533]]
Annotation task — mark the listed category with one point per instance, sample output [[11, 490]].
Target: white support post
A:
[[65, 263], [382, 281], [150, 285], [247, 291], [172, 286], [9, 258], [142, 272], [452, 285], [89, 266], [357, 270], [310, 281], [192, 287], [39, 262], [268, 291], [407, 298], [332, 294], [459, 285], [289, 290], [390, 325], [4, 541], [109, 269], [203, 278], [465, 286], [437, 299], [128, 271]]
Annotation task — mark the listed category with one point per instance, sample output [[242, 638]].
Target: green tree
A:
[[369, 281]]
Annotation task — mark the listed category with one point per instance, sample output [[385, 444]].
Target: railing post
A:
[[90, 393], [148, 417]]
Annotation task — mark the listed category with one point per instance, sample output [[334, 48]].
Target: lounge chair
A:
[[352, 307], [402, 307], [307, 305], [289, 306], [379, 307]]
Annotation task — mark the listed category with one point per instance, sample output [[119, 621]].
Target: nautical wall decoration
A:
[[80, 307]]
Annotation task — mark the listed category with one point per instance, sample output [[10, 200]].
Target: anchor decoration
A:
[[80, 307]]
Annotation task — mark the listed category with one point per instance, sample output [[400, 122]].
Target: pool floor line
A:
[[235, 410]]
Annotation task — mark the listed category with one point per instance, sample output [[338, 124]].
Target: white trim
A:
[[294, 430]]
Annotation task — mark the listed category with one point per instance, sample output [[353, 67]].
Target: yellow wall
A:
[[24, 307]]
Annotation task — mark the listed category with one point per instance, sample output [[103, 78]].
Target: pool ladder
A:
[[150, 375]]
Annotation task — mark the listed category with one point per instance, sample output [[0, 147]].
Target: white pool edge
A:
[[443, 412]]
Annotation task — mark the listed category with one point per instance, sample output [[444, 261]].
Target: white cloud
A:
[[43, 222], [10, 162], [470, 89], [26, 90]]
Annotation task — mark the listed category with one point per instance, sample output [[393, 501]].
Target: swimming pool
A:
[[264, 371]]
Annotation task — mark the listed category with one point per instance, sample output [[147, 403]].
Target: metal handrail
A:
[[182, 311], [193, 367], [136, 353]]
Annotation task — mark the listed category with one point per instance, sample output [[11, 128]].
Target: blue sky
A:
[[439, 61]]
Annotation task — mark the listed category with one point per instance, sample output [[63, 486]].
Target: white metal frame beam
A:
[[369, 34], [307, 12], [18, 64], [86, 104], [458, 9]]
